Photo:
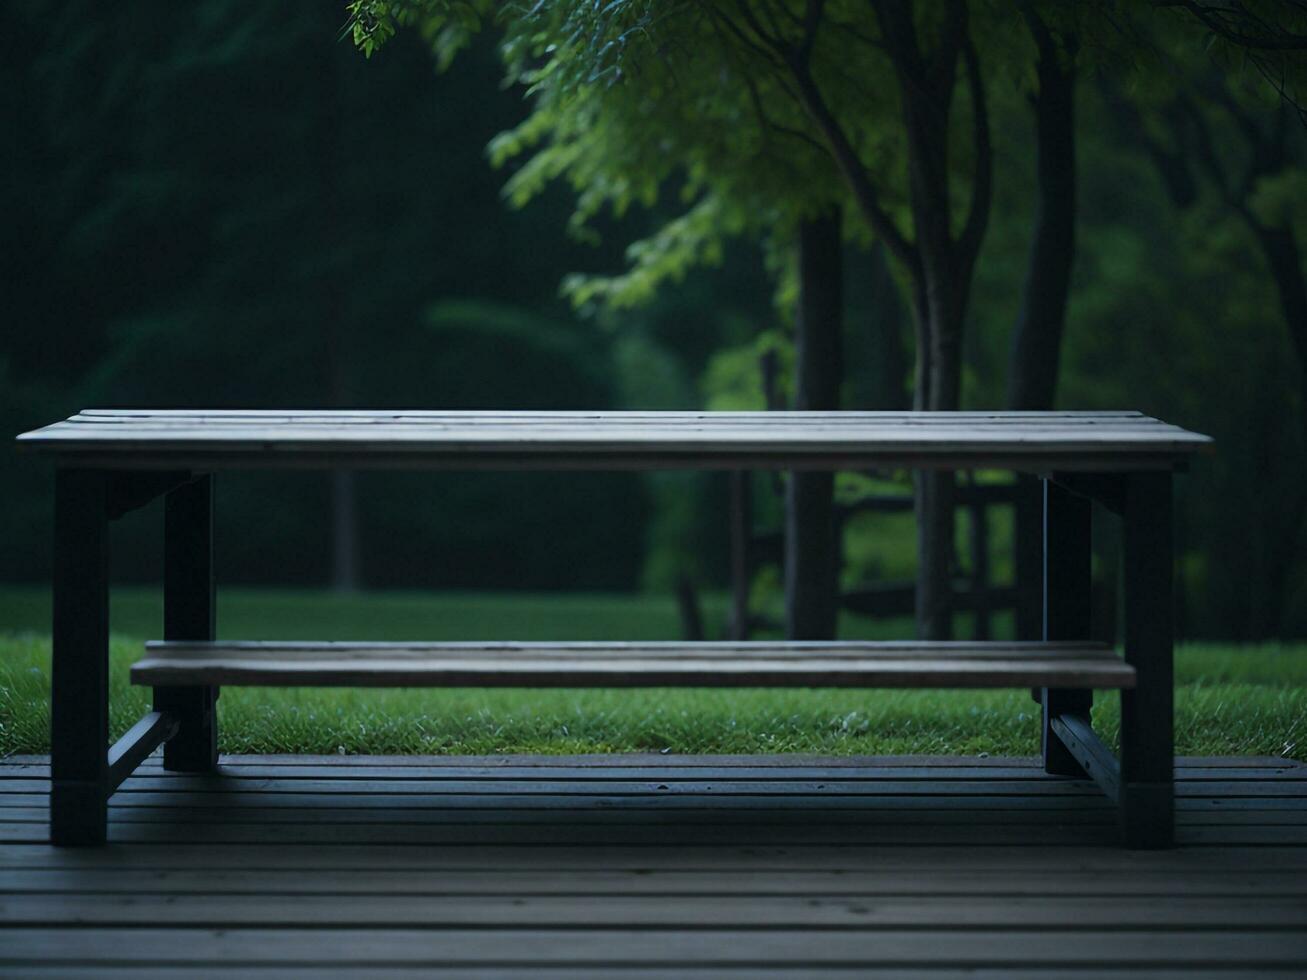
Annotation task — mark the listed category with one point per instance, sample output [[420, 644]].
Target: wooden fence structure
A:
[[974, 591]]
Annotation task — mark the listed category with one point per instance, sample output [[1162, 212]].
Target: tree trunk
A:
[[811, 544], [935, 525], [935, 488], [889, 365], [1280, 247], [1040, 325], [939, 264], [942, 270], [1037, 336]]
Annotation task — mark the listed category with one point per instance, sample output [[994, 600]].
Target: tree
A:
[[746, 172], [1256, 172], [1270, 36], [863, 86], [812, 544], [924, 56]]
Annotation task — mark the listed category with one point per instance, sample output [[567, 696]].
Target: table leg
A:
[[189, 613], [1067, 609], [79, 688], [1147, 734]]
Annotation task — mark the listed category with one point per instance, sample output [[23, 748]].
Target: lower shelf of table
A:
[[663, 664]]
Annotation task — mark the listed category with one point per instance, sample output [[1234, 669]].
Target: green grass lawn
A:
[[1229, 700]]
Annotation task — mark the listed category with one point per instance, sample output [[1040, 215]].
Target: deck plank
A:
[[811, 910], [758, 948], [939, 882]]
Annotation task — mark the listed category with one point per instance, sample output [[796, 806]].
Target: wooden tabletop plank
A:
[[230, 437]]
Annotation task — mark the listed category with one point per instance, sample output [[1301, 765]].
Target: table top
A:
[[356, 438]]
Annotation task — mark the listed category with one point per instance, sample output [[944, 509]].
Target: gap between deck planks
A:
[[584, 972]]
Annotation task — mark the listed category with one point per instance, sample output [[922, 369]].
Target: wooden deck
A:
[[649, 866]]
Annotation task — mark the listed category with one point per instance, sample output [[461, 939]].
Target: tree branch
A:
[[759, 44], [767, 124], [1169, 158], [1207, 155], [943, 63], [846, 158], [1237, 25], [901, 39], [812, 15]]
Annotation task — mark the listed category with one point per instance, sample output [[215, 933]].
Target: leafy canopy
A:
[[636, 102]]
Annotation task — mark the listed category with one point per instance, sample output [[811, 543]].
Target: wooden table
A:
[[112, 461]]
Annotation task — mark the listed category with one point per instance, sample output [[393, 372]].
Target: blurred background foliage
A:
[[221, 203]]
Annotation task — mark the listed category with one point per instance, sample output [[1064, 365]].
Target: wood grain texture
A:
[[810, 910], [579, 440], [667, 664], [596, 948]]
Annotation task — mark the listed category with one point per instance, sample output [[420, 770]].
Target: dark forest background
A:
[[221, 203]]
